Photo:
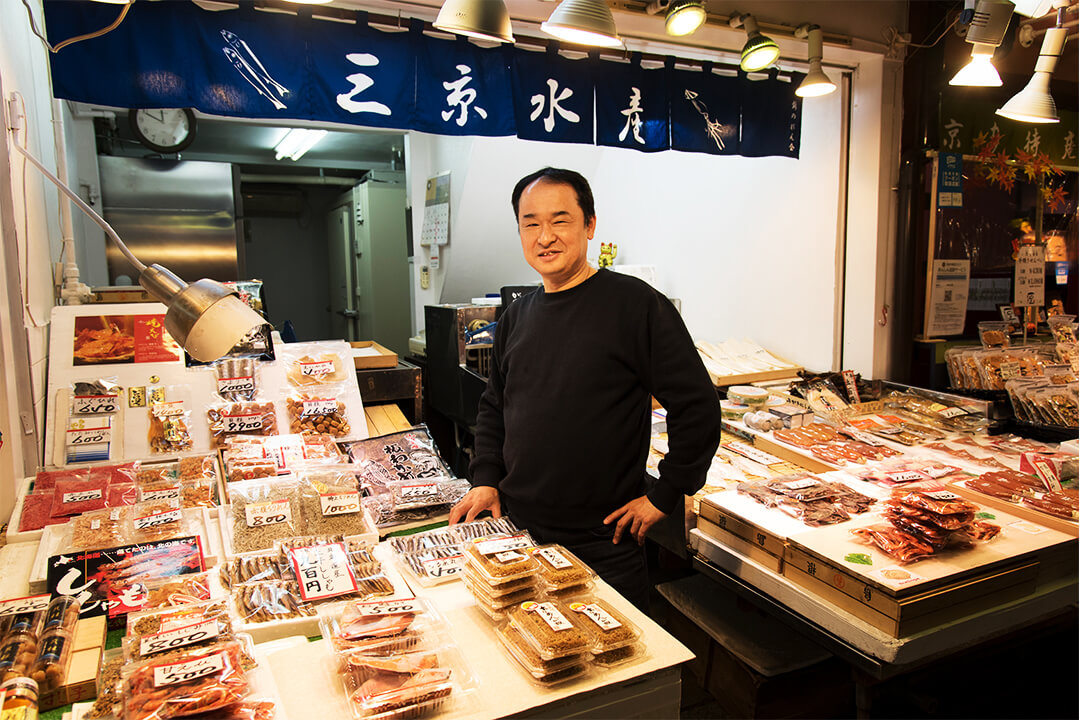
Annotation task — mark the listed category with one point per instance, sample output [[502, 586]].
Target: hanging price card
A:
[[172, 639], [94, 404], [268, 513]]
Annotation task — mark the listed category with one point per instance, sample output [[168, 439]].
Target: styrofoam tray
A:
[[53, 535]]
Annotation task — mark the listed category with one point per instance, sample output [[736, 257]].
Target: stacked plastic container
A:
[[500, 572]]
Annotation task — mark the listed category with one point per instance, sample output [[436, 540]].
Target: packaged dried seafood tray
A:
[[547, 673], [178, 590], [410, 455], [329, 499], [197, 467], [380, 627], [405, 685], [192, 682], [244, 418], [263, 511], [99, 529], [560, 569], [249, 568], [380, 505], [269, 601], [607, 628], [501, 559], [428, 492], [496, 606], [311, 412], [901, 471], [155, 520], [547, 628], [435, 564], [371, 581], [161, 631]]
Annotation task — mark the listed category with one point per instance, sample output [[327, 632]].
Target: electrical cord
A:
[[78, 38], [26, 221]]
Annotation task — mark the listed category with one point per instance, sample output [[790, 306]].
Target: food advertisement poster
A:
[[110, 581], [948, 297], [113, 339]]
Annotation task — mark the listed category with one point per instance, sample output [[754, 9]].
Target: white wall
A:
[[30, 228]]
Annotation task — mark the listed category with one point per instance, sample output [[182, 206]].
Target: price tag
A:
[[95, 404], [17, 606], [751, 452], [444, 566], [249, 422], [172, 639], [340, 503], [938, 472], [189, 670], [508, 557], [318, 407], [82, 496], [554, 558], [167, 409], [268, 513], [951, 412], [169, 493], [419, 491], [863, 437], [802, 483], [1009, 370], [942, 495], [514, 542], [317, 369], [905, 476], [597, 614], [226, 386], [89, 436], [323, 571], [158, 519], [550, 614], [388, 607]]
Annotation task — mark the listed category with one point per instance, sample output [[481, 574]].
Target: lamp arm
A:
[[79, 203]]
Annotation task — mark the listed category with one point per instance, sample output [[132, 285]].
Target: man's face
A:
[[554, 234]]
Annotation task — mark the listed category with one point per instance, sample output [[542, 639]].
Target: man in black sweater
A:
[[563, 427]]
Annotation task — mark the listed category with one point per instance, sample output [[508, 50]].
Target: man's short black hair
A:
[[565, 177]]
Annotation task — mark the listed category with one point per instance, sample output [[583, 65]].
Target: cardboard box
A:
[[84, 662], [373, 355]]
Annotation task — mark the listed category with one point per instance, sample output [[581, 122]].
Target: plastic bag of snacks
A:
[[247, 418], [263, 511], [236, 379], [169, 424], [398, 457], [330, 500], [160, 633], [317, 412]]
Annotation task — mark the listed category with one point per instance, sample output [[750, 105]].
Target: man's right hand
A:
[[475, 502]]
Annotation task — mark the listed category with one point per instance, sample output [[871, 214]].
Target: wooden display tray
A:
[[1069, 527], [739, 544], [385, 358], [757, 536], [754, 377], [902, 599], [787, 453]]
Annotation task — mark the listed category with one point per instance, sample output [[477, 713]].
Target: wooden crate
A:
[[374, 355], [723, 518], [740, 545]]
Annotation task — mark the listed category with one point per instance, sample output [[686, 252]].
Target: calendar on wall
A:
[[436, 230]]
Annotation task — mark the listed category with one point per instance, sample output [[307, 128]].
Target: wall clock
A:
[[166, 130]]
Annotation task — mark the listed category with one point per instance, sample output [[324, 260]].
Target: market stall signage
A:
[[248, 63], [94, 404], [323, 571], [1030, 285]]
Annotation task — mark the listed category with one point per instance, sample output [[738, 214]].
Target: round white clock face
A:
[[164, 129]]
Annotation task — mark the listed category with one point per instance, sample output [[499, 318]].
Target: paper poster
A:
[[1030, 277], [436, 229], [116, 339], [948, 297], [950, 187]]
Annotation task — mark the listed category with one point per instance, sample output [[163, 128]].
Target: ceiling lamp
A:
[[297, 141], [985, 33], [1034, 104], [584, 22], [682, 17], [484, 19], [760, 51], [816, 82]]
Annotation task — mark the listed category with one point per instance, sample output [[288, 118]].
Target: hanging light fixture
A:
[[484, 19], [760, 51], [816, 82], [585, 22], [296, 142], [985, 33], [682, 17], [1034, 104]]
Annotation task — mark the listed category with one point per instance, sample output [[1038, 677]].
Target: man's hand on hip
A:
[[635, 518], [476, 501]]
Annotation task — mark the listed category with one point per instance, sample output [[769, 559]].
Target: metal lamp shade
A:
[[816, 82], [485, 19], [1033, 104], [585, 22]]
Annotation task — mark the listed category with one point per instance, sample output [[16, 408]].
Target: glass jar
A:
[[20, 699]]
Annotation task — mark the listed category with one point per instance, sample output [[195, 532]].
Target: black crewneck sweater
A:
[[563, 426]]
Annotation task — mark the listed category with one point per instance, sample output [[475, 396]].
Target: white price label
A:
[[444, 566], [158, 519], [938, 472], [554, 558], [189, 670], [95, 524], [21, 605], [597, 614], [905, 476], [248, 422], [323, 571], [167, 409], [751, 452], [340, 503], [89, 436], [508, 557], [268, 513], [169, 493], [419, 491], [82, 496], [863, 437], [514, 542], [317, 369], [942, 495], [802, 483], [319, 407], [550, 614], [951, 412], [172, 639], [226, 386], [95, 404], [388, 607]]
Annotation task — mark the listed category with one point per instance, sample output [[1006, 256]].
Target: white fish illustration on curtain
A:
[[251, 69], [713, 128]]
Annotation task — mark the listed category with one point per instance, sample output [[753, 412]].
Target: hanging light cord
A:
[[78, 38]]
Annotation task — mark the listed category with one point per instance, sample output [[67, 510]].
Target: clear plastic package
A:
[[236, 378], [250, 567], [382, 627], [994, 333], [95, 397], [99, 529], [428, 492], [607, 628], [169, 424], [72, 497], [109, 702], [156, 520], [321, 413], [195, 681], [197, 467], [270, 600], [501, 559], [329, 498], [398, 457], [18, 653], [547, 673], [316, 369], [404, 685], [177, 590], [247, 418], [263, 511], [161, 632], [546, 627], [50, 666]]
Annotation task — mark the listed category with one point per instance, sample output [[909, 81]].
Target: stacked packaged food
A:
[[561, 572], [436, 556], [545, 641], [500, 573]]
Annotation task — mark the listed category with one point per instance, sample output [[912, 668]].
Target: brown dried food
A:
[[501, 563], [607, 627], [332, 507], [156, 520], [547, 670], [100, 528], [260, 602], [197, 467], [147, 700], [142, 625], [311, 370], [50, 666], [313, 414], [168, 428], [547, 627], [263, 512], [17, 655], [258, 419]]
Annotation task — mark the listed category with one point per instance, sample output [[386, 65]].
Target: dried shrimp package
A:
[[177, 590], [197, 467], [235, 378], [263, 511], [155, 520], [99, 529], [161, 633], [193, 682], [170, 422], [398, 457], [244, 418]]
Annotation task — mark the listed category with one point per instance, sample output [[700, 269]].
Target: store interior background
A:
[[798, 255]]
